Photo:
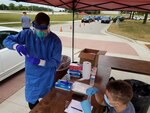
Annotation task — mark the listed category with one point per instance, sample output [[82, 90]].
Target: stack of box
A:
[[75, 70], [90, 55]]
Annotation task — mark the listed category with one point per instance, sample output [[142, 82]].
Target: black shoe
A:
[[31, 106]]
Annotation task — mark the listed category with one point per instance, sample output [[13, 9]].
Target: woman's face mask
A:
[[41, 34]]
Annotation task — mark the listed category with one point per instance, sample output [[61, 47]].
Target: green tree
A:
[[20, 7], [132, 15], [3, 7], [145, 18], [11, 6]]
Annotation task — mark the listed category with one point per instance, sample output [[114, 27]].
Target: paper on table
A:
[[80, 87], [75, 104]]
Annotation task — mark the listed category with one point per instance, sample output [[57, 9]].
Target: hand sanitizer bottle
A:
[[68, 76], [92, 80]]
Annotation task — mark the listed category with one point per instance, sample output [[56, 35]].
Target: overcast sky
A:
[[7, 2]]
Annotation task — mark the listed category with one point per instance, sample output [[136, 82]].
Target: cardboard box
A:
[[90, 55]]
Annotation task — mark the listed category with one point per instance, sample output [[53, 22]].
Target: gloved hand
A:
[[91, 91], [33, 60], [86, 106], [21, 50]]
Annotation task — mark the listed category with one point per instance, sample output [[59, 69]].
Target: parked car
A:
[[137, 18], [92, 18], [87, 19], [121, 18], [106, 19], [101, 17], [98, 18], [10, 61]]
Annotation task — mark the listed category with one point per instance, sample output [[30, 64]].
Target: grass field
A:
[[10, 17], [14, 17], [133, 29], [19, 24]]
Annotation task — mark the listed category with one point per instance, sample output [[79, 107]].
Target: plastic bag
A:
[[65, 62], [141, 97]]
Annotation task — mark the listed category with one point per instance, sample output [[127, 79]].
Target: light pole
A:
[[3, 6]]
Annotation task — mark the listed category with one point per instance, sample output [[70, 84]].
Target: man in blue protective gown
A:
[[42, 50]]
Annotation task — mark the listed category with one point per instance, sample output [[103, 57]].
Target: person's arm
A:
[[21, 19], [54, 60], [12, 41], [100, 96]]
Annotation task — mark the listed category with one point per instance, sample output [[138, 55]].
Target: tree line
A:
[[12, 6]]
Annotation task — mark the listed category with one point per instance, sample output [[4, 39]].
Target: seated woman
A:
[[117, 97]]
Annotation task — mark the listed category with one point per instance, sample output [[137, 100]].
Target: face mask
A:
[[107, 101], [40, 34]]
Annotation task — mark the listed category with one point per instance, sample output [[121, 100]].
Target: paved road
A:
[[92, 28]]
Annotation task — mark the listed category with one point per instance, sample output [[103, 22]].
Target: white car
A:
[[137, 18], [10, 61]]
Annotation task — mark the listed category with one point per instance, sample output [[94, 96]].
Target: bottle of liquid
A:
[[68, 76], [92, 80]]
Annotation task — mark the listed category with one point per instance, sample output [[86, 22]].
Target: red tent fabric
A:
[[116, 5], [83, 13]]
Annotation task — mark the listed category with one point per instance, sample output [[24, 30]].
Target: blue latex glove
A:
[[33, 60], [91, 91], [21, 50], [86, 106]]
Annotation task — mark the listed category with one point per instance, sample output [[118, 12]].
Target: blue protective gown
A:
[[38, 79]]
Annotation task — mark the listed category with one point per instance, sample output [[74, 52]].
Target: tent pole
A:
[[73, 9]]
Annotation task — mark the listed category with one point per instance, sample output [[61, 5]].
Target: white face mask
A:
[[107, 101]]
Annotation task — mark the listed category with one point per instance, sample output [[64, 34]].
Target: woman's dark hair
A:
[[42, 19]]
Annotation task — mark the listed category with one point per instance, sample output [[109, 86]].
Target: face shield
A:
[[40, 30]]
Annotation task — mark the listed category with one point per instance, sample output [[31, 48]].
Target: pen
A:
[[76, 109]]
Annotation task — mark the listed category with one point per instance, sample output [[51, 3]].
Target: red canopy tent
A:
[[112, 5], [126, 5], [83, 13]]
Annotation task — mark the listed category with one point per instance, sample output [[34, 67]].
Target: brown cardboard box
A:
[[90, 55]]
